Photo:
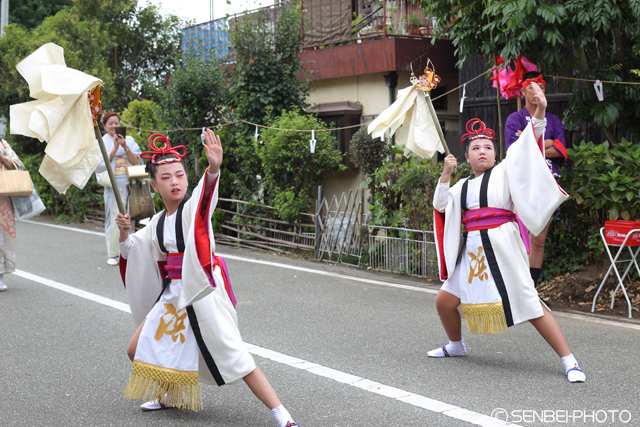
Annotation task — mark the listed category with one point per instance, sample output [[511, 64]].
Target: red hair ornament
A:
[[476, 129], [166, 148]]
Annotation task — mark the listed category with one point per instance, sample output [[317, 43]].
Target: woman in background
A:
[[8, 160], [123, 152]]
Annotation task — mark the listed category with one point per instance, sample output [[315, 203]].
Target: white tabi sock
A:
[[282, 415], [454, 348], [574, 373]]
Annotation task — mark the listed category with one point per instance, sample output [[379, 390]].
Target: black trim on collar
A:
[[160, 231], [179, 236], [483, 188]]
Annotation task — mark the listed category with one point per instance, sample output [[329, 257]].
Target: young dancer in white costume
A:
[[180, 296], [487, 269]]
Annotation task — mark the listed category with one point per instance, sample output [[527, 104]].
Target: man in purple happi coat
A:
[[555, 153]]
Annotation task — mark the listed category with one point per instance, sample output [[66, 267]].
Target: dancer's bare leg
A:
[[447, 305], [551, 332], [261, 387], [537, 247], [133, 344]]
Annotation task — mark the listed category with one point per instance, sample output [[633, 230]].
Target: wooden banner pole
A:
[[107, 163], [436, 122]]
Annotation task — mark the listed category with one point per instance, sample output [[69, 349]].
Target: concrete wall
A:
[[370, 91]]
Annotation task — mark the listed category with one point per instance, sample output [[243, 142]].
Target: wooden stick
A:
[[107, 163], [436, 122]]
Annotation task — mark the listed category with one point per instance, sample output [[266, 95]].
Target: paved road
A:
[[342, 347]]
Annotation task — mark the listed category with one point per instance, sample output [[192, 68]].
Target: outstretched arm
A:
[[539, 120], [441, 195], [450, 163], [541, 101]]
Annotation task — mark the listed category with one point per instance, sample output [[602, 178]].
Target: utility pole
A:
[[4, 16], [211, 10]]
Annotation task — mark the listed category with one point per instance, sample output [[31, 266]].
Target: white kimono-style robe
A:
[[223, 358], [522, 183]]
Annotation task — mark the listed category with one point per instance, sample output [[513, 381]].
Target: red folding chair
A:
[[624, 234]]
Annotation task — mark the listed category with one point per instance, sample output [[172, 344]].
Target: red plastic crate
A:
[[616, 231]]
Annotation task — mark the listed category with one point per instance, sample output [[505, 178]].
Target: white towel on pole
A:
[[418, 133], [60, 115]]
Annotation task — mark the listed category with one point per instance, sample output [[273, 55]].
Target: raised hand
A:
[[540, 99], [213, 150], [450, 163]]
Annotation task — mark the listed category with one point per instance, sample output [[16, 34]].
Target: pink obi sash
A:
[[174, 271], [174, 265], [486, 218]]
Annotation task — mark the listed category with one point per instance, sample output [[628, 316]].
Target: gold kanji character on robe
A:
[[477, 266], [169, 318]]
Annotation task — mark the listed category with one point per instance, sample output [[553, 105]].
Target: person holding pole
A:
[[555, 153], [122, 153], [187, 327], [486, 272]]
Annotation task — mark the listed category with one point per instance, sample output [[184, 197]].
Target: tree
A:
[[30, 13], [129, 48], [195, 97], [580, 38], [266, 71], [144, 115], [266, 75], [140, 46], [80, 42]]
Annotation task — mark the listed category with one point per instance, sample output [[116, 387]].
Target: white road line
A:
[[330, 274], [275, 264], [585, 318], [413, 399], [74, 291], [79, 230]]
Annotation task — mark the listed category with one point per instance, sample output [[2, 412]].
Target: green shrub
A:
[[606, 178], [145, 115], [573, 236], [408, 201], [603, 184], [291, 171]]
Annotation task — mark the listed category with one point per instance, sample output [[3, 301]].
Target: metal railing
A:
[[338, 233], [403, 250], [339, 228]]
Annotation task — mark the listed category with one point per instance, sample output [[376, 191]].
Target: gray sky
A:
[[198, 10]]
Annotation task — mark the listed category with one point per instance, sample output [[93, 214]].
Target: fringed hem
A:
[[485, 318], [175, 388]]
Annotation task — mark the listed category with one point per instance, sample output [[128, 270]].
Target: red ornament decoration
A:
[[158, 150], [476, 129]]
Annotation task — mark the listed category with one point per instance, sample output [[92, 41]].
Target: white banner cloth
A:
[[418, 133], [60, 115]]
